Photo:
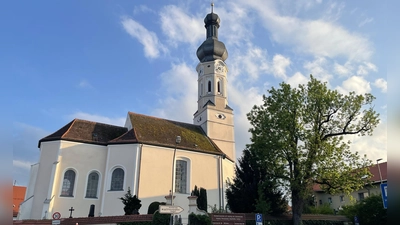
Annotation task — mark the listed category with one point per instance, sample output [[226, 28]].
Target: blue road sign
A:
[[384, 194], [259, 219]]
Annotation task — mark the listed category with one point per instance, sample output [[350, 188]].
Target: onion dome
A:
[[212, 48]]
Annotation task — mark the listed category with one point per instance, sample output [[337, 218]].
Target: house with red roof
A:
[[379, 175]]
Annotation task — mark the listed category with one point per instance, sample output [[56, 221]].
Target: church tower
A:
[[213, 113]]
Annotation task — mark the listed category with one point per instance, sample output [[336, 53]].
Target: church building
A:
[[88, 163]]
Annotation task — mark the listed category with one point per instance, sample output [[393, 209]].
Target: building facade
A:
[[87, 163], [336, 202]]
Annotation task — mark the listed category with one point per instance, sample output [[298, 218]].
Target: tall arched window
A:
[[201, 89], [92, 185], [68, 184], [117, 180], [209, 86], [181, 176], [219, 87]]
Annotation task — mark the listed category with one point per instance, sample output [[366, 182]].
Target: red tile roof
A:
[[18, 197], [375, 178]]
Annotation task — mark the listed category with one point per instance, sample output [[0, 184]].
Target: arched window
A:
[[209, 86], [219, 87], [92, 185], [201, 89], [68, 184], [181, 175], [117, 180]]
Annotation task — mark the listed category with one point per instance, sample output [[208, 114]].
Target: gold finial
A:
[[212, 6]]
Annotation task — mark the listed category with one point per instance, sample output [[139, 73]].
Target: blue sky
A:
[[97, 60]]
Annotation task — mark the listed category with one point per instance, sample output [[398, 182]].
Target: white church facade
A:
[[88, 163]]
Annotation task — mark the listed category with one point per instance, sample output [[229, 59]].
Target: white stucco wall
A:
[[82, 159]]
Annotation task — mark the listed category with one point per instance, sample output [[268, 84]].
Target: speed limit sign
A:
[[56, 215]]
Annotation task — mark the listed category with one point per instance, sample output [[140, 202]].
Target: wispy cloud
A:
[[279, 65], [149, 40], [84, 84], [22, 164], [119, 121], [365, 21], [181, 27], [382, 84]]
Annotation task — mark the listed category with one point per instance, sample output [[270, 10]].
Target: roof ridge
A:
[[154, 117], [101, 123], [69, 128]]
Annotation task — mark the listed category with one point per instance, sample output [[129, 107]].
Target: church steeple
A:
[[212, 48], [213, 113]]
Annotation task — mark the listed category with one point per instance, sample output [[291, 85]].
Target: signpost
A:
[[259, 219], [56, 218], [170, 209], [384, 194]]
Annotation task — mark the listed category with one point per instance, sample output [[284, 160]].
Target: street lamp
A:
[[177, 141], [379, 169]]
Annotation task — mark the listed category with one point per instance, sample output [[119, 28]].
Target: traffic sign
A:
[[259, 220], [170, 209], [384, 194], [56, 215], [55, 222]]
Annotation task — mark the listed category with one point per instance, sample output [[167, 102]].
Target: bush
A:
[[369, 211], [154, 206], [322, 209], [161, 219], [199, 219]]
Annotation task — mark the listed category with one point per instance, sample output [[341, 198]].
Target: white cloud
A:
[[365, 21], [382, 84], [355, 83], [148, 39], [279, 64], [22, 164], [297, 79], [84, 84], [179, 94], [365, 68], [142, 8], [316, 37], [343, 70], [118, 121], [180, 27], [318, 68]]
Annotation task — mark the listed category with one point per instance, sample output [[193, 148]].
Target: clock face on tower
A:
[[220, 67]]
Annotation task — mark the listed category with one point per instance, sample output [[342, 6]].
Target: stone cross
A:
[[71, 210]]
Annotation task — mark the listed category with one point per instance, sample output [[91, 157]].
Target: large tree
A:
[[252, 190], [299, 132]]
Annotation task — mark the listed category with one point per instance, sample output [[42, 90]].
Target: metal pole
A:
[[379, 169], [177, 141]]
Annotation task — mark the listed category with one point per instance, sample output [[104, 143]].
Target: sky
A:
[[97, 60]]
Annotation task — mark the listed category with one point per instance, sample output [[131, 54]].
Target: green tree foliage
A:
[[201, 194], [369, 211], [131, 202], [199, 219], [298, 133], [252, 189]]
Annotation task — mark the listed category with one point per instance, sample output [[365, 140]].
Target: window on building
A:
[[209, 86], [330, 200], [342, 198], [361, 196], [92, 185], [68, 184], [320, 201], [201, 89], [219, 87], [117, 180], [181, 176]]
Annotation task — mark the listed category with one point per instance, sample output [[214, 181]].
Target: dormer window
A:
[[95, 137]]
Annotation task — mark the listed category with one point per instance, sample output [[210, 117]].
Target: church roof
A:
[[145, 129], [163, 132], [86, 132]]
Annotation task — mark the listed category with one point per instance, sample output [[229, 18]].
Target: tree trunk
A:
[[297, 207]]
